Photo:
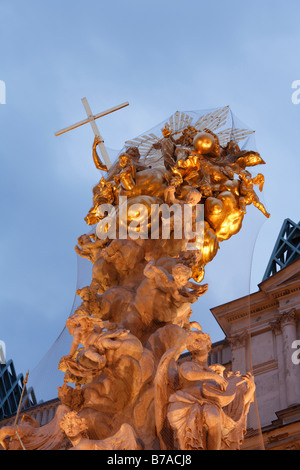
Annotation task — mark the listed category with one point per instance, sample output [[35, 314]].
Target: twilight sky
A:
[[161, 56]]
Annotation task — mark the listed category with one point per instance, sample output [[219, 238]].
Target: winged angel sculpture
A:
[[127, 384]]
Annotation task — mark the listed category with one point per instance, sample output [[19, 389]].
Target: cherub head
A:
[[193, 197], [199, 344], [181, 274], [79, 321], [74, 426], [124, 160]]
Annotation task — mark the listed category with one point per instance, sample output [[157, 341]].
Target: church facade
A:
[[262, 335]]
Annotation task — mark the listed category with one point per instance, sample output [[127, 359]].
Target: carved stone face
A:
[[181, 274], [73, 425], [124, 160], [199, 344], [193, 197]]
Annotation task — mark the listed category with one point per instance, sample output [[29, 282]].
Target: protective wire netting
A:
[[228, 274]]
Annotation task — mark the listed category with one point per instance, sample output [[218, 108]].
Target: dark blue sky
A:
[[161, 56]]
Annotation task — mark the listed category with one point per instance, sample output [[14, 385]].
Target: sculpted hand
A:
[[97, 141], [200, 290], [249, 379], [221, 382]]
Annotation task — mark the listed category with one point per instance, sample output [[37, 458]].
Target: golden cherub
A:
[[126, 177], [103, 194]]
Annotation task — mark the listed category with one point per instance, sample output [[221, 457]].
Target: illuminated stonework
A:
[[124, 387]]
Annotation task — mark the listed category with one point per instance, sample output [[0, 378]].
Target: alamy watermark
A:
[[296, 94], [296, 354], [180, 221], [2, 352], [2, 92]]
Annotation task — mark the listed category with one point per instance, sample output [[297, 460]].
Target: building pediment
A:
[[285, 282], [275, 291]]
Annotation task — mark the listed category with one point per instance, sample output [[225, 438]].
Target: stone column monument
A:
[[159, 216]]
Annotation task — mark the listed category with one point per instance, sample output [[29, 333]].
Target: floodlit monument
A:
[[159, 215]]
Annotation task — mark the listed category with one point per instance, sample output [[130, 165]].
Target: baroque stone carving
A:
[[288, 317], [238, 341], [125, 387]]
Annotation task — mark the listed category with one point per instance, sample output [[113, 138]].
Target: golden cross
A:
[[91, 119]]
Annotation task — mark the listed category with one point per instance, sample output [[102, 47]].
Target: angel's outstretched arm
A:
[[96, 158]]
